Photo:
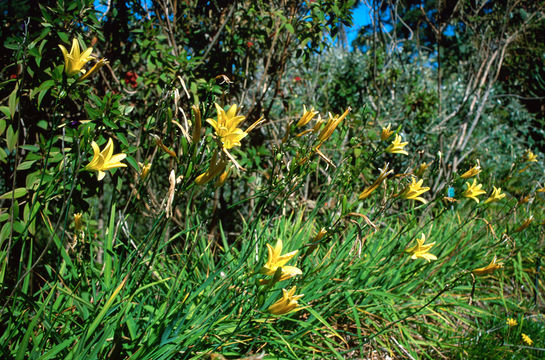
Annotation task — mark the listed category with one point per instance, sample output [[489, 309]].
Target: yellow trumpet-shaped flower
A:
[[331, 125], [381, 177], [472, 172], [396, 147], [511, 322], [414, 190], [217, 166], [529, 156], [527, 339], [306, 117], [386, 132], [495, 196], [422, 169], [421, 250], [105, 159], [75, 60], [78, 225], [287, 304], [277, 260], [473, 190], [100, 63], [488, 269], [144, 170], [226, 126]]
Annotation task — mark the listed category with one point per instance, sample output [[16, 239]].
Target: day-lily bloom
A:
[[306, 117], [100, 63], [527, 339], [77, 221], [422, 169], [488, 269], [396, 147], [226, 126], [496, 196], [75, 60], [414, 190], [381, 177], [217, 166], [386, 132], [472, 172], [529, 156], [287, 304], [331, 125], [276, 260], [421, 250], [223, 177], [511, 322], [473, 190], [105, 159], [144, 170], [525, 224]]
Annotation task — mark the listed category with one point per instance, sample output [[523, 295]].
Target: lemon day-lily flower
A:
[[306, 117], [226, 126], [217, 166], [414, 190], [276, 260], [386, 132], [331, 125], [381, 177], [529, 156], [473, 190], [421, 250], [288, 303], [105, 159], [396, 147], [472, 172], [495, 196], [488, 269], [422, 169], [75, 60]]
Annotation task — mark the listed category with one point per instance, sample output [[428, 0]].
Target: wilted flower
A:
[[306, 117], [527, 339], [381, 177], [276, 260], [525, 224], [421, 251], [511, 322], [105, 159], [77, 221], [288, 303], [75, 60], [495, 196], [488, 269], [386, 132], [473, 190], [331, 125], [472, 172], [414, 190], [396, 147], [217, 166]]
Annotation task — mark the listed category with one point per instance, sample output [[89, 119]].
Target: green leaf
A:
[[5, 111], [25, 165], [17, 193], [13, 101], [11, 138]]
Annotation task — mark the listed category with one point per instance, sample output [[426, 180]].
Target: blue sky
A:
[[361, 18]]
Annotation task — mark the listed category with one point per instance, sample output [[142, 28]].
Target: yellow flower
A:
[[422, 169], [105, 159], [331, 125], [381, 177], [472, 172], [414, 190], [144, 170], [306, 117], [287, 304], [386, 132], [529, 156], [525, 224], [527, 339], [94, 69], [276, 260], [488, 269], [223, 178], [75, 60], [77, 221], [216, 167], [226, 126], [396, 147], [511, 322], [421, 251], [496, 196], [473, 190]]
